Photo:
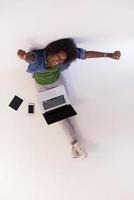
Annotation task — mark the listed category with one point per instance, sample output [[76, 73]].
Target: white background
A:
[[35, 159]]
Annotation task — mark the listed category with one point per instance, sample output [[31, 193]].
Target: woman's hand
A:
[[21, 53], [116, 55]]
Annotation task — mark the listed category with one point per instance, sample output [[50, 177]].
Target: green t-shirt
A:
[[48, 77]]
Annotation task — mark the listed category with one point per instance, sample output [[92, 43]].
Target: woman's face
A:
[[56, 59]]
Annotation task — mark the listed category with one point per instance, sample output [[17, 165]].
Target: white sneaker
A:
[[78, 151]]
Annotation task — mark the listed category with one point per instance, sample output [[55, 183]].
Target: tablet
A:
[[16, 102]]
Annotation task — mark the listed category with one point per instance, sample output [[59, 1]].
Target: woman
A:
[[48, 63]]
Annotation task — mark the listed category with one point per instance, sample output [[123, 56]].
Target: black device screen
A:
[[16, 102], [31, 108]]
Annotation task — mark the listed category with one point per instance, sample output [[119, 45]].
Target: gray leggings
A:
[[67, 123]]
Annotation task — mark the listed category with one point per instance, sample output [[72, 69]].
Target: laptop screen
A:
[[58, 114]]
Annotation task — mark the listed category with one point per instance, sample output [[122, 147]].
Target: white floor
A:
[[35, 159]]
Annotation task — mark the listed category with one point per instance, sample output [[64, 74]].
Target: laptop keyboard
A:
[[56, 101]]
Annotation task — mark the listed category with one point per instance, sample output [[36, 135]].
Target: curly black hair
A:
[[66, 44]]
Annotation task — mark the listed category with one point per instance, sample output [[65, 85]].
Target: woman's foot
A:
[[78, 151]]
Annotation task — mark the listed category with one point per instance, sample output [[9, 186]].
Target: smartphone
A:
[[31, 108], [16, 102]]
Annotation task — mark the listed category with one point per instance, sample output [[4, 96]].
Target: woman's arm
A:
[[25, 56], [96, 54]]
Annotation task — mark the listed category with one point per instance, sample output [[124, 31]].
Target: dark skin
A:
[[95, 54], [60, 57]]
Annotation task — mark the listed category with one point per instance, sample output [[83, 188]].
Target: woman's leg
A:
[[70, 132], [77, 150]]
